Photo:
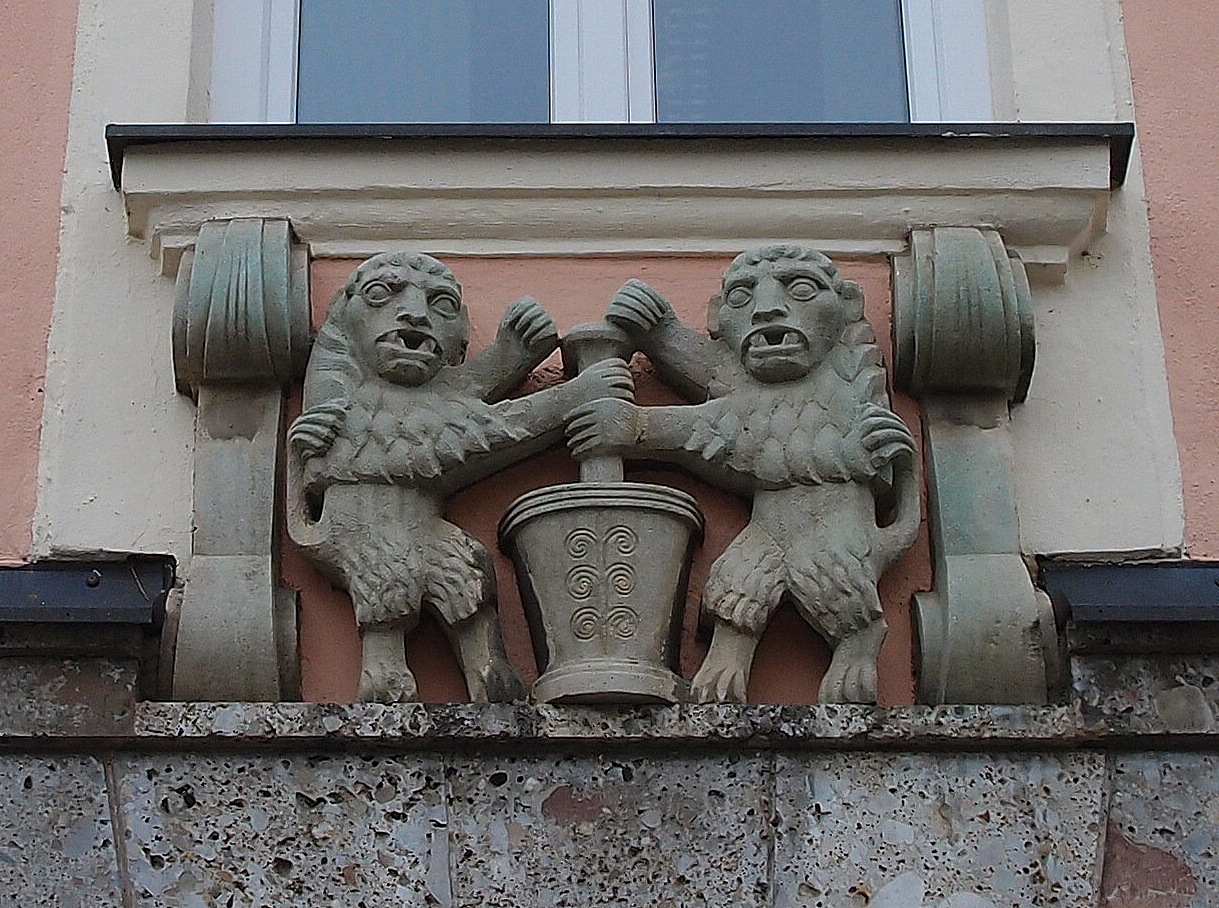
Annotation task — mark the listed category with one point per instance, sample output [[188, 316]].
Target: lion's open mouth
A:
[[779, 340], [409, 340]]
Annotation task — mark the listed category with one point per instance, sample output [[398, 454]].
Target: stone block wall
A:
[[491, 805]]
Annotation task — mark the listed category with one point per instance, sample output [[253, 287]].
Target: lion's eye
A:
[[802, 289], [376, 293], [738, 296], [445, 303]]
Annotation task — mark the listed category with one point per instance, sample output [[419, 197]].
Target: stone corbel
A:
[[964, 346], [241, 333]]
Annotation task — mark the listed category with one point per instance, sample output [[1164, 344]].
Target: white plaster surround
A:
[[1096, 461], [625, 196], [115, 462]]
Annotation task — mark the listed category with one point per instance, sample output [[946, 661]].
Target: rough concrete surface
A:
[[56, 840], [268, 831], [670, 832], [914, 829], [823, 727], [1152, 694], [473, 805], [1162, 847], [562, 828], [53, 697]]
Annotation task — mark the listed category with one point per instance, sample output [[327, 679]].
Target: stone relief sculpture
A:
[[394, 421], [788, 407], [603, 565]]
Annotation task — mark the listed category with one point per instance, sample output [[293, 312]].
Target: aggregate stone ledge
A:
[[426, 726], [432, 726]]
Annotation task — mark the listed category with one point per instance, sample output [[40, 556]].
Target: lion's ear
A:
[[713, 314]]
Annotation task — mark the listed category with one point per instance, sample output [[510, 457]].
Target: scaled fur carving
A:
[[790, 408], [394, 422]]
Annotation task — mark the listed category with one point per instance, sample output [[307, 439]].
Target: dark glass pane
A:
[[424, 61], [779, 61]]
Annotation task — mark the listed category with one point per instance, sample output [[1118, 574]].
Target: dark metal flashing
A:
[[120, 137], [1162, 591], [131, 591]]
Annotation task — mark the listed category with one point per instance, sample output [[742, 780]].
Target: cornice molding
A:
[[859, 193]]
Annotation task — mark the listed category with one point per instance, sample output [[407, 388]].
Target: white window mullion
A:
[[947, 66], [640, 66], [565, 93], [601, 61], [254, 45]]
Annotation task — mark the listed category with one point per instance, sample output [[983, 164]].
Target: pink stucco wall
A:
[[38, 37], [1172, 58], [791, 658]]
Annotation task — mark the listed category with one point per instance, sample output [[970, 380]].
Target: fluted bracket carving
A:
[[964, 345], [964, 320], [241, 333], [241, 315]]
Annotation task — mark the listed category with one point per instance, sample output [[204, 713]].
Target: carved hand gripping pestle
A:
[[602, 566], [788, 406]]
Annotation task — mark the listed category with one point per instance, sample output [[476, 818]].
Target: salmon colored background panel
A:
[[1172, 52], [791, 657], [38, 37]]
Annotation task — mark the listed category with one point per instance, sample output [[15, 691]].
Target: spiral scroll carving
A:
[[617, 579], [623, 539], [621, 577], [580, 542], [582, 581], [586, 621], [622, 622]]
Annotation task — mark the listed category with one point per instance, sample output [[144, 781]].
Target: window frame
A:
[[946, 47]]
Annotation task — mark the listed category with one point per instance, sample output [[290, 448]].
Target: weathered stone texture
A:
[[1162, 847], [1150, 694], [498, 806], [615, 831], [56, 840], [917, 829], [53, 697], [274, 831], [684, 727]]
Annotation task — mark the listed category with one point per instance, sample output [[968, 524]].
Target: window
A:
[[606, 61]]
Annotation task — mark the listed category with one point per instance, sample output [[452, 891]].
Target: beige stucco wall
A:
[[1172, 57], [35, 82], [115, 464]]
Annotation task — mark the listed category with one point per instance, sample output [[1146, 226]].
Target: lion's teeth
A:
[[791, 338]]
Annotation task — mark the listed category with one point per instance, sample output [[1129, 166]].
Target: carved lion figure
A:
[[789, 407], [394, 421]]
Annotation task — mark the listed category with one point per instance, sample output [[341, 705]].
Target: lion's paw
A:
[[851, 677], [387, 686], [720, 684]]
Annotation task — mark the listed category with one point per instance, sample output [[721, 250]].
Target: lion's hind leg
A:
[[851, 677], [462, 592], [742, 592], [834, 590], [386, 606], [384, 675]]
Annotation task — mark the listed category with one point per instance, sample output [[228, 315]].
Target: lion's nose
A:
[[413, 309], [769, 303]]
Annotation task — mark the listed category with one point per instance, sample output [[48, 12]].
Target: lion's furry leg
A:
[[384, 675], [724, 675]]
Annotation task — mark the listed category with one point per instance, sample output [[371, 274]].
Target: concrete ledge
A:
[[294, 726]]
